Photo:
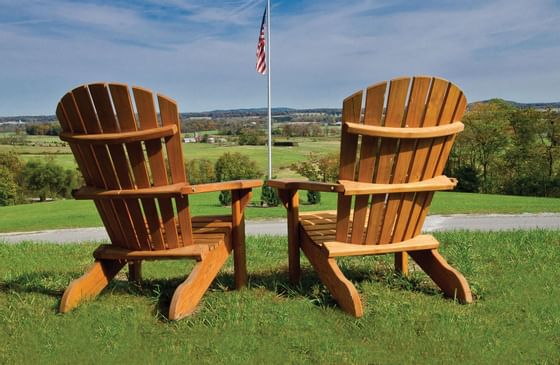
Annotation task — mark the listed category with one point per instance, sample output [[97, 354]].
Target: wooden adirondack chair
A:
[[403, 145], [132, 164]]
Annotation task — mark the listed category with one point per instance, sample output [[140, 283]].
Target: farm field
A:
[[514, 318], [80, 213], [42, 147]]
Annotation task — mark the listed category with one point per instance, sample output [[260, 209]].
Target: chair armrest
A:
[[437, 183], [219, 186], [166, 191], [299, 184]]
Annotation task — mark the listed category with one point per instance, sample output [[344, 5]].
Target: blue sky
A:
[[202, 53]]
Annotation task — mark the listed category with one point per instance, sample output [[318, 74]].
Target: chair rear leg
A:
[[190, 292], [90, 284], [342, 290], [135, 271], [451, 281]]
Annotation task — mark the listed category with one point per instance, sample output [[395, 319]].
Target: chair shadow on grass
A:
[[160, 290]]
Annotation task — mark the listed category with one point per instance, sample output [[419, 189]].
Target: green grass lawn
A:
[[515, 317], [72, 213]]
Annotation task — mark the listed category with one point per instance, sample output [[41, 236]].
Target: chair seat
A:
[[320, 227]]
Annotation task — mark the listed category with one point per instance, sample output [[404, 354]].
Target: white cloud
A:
[[203, 54]]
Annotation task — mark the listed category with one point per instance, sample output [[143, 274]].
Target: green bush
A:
[[234, 166], [225, 197], [313, 197], [269, 196], [468, 179]]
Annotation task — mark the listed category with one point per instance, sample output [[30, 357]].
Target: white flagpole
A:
[[269, 92]]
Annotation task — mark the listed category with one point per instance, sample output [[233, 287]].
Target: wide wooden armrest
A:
[[441, 182], [167, 191], [299, 184], [219, 186], [406, 133]]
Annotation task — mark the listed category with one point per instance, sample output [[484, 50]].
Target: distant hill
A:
[[550, 105], [262, 112]]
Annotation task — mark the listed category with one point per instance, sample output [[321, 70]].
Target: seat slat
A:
[[338, 249]]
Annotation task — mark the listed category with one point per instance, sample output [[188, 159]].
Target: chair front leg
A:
[[239, 200], [290, 199]]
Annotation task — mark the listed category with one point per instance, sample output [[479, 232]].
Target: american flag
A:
[[261, 48]]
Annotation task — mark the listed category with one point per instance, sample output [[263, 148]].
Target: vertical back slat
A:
[[426, 151], [375, 101], [169, 116], [453, 111], [92, 126], [106, 115], [125, 114], [404, 155], [351, 111], [414, 118], [396, 101], [110, 219], [147, 116], [86, 168]]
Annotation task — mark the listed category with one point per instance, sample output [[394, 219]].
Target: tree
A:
[[11, 191], [322, 168], [252, 137], [8, 187], [234, 166], [485, 136], [200, 171], [48, 180], [318, 167]]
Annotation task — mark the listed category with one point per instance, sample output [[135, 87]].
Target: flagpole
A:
[[269, 92]]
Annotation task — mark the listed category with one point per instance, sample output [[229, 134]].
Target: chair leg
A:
[[135, 271], [190, 292], [451, 281], [90, 284], [342, 290], [401, 263]]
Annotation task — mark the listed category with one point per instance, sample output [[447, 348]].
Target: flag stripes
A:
[[261, 48]]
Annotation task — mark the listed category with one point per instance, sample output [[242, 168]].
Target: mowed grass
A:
[[515, 318], [73, 213]]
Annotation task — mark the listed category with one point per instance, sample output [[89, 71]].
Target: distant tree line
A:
[[43, 129], [21, 182], [508, 150]]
